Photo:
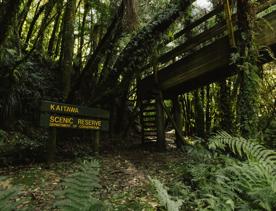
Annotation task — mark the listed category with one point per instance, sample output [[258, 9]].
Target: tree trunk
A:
[[199, 114], [137, 51], [225, 110], [67, 47], [247, 70], [9, 11], [41, 32], [32, 25], [178, 118], [55, 30], [80, 50], [208, 117], [23, 15]]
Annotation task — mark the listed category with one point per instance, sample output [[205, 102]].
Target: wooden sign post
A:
[[59, 115]]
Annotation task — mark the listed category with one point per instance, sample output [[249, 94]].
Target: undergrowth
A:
[[7, 195], [79, 190], [234, 174]]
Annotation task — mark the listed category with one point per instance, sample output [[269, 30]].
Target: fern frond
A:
[[6, 195], [164, 197], [78, 189], [241, 146]]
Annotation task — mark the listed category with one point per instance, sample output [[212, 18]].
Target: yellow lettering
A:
[[52, 107], [71, 120], [88, 123], [61, 120], [57, 108], [52, 119]]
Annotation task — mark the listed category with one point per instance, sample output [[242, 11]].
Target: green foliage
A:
[[6, 196], [3, 136], [24, 81], [79, 189], [253, 151], [164, 198], [218, 181], [244, 185]]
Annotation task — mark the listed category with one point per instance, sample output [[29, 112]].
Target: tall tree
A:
[[67, 49], [225, 107], [247, 70], [8, 14]]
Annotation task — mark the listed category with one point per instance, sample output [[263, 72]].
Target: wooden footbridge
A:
[[202, 59]]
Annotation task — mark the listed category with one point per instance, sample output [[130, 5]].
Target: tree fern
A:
[[78, 189], [241, 146], [164, 197]]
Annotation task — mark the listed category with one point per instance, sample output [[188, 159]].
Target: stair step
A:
[[149, 139], [153, 130], [148, 125], [148, 101], [149, 115], [149, 109]]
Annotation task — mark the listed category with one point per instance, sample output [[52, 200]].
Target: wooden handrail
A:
[[198, 39], [199, 21]]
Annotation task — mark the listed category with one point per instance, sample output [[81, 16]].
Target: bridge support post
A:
[[160, 123], [178, 118], [51, 145]]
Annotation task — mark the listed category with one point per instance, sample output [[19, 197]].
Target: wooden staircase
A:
[[148, 120]]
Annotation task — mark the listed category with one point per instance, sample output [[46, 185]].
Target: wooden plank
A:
[[193, 42], [145, 115], [62, 121], [150, 125], [68, 109], [207, 65]]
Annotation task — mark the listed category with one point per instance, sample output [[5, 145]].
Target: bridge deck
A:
[[209, 64]]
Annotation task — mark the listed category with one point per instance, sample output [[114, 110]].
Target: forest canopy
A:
[[94, 53]]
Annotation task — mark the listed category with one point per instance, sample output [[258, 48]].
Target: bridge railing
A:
[[200, 38]]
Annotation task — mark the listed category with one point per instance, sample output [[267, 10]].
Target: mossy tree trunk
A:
[[225, 108], [208, 113], [247, 70], [199, 114], [23, 16], [178, 118]]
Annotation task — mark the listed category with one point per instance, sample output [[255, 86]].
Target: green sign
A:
[[72, 116]]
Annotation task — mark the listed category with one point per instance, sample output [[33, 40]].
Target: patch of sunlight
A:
[[204, 4]]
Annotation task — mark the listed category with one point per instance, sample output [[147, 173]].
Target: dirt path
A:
[[124, 178], [126, 173]]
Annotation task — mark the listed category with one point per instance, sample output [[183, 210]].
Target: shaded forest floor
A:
[[124, 178]]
